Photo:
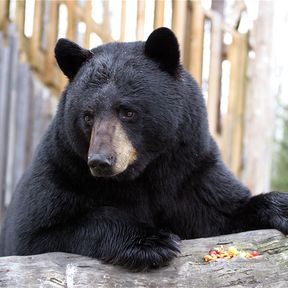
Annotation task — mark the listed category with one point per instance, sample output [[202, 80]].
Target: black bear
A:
[[128, 167]]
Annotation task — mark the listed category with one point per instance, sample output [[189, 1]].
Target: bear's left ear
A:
[[70, 57], [162, 46]]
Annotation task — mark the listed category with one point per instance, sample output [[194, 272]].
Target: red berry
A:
[[254, 253], [213, 252]]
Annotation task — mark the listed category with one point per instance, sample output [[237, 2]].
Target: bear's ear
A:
[[70, 57], [162, 46]]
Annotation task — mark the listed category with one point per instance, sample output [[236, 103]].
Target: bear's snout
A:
[[110, 150], [101, 164]]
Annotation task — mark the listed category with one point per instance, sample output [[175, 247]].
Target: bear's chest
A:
[[130, 198]]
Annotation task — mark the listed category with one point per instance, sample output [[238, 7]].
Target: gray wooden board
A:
[[31, 117], [46, 111], [22, 122], [38, 108], [1, 131], [12, 94], [269, 270], [4, 108], [26, 108]]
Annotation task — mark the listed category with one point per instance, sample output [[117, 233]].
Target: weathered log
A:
[[270, 269]]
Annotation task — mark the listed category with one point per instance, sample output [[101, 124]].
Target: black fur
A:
[[70, 57], [162, 46], [177, 187]]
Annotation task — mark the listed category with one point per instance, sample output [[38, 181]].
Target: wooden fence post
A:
[[233, 124], [159, 13], [140, 19], [3, 13], [4, 107], [22, 124], [195, 38], [13, 45], [214, 73], [179, 11]]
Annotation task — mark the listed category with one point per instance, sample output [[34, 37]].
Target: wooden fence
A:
[[212, 51], [26, 108]]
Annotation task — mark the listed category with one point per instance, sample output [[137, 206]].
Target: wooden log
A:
[[188, 270]]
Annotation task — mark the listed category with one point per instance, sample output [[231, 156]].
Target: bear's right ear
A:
[[70, 57], [162, 46]]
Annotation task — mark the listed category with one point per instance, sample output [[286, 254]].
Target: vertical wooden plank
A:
[[234, 120], [12, 92], [41, 111], [228, 123], [214, 74], [19, 21], [4, 108], [106, 22], [35, 39], [123, 20], [179, 10], [88, 21], [71, 33], [240, 106], [51, 39], [45, 14], [140, 19], [37, 114], [3, 13], [31, 104], [47, 111], [159, 13], [22, 123], [195, 39]]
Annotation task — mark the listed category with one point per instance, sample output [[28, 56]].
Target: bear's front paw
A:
[[155, 250], [277, 213], [150, 251]]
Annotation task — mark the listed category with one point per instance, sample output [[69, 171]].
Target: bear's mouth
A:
[[102, 172]]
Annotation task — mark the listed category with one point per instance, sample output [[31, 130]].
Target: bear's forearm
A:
[[109, 235], [263, 211], [85, 235]]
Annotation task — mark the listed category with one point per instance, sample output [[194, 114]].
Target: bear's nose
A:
[[100, 161]]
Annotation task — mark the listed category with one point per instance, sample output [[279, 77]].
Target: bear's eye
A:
[[127, 115], [88, 118]]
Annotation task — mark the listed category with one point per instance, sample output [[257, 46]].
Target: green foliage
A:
[[280, 165]]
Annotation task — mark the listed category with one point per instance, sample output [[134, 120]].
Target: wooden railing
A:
[[217, 64]]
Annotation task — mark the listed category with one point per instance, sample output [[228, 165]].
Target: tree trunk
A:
[[260, 104], [270, 269]]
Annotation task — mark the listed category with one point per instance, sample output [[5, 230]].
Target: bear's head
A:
[[126, 103]]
